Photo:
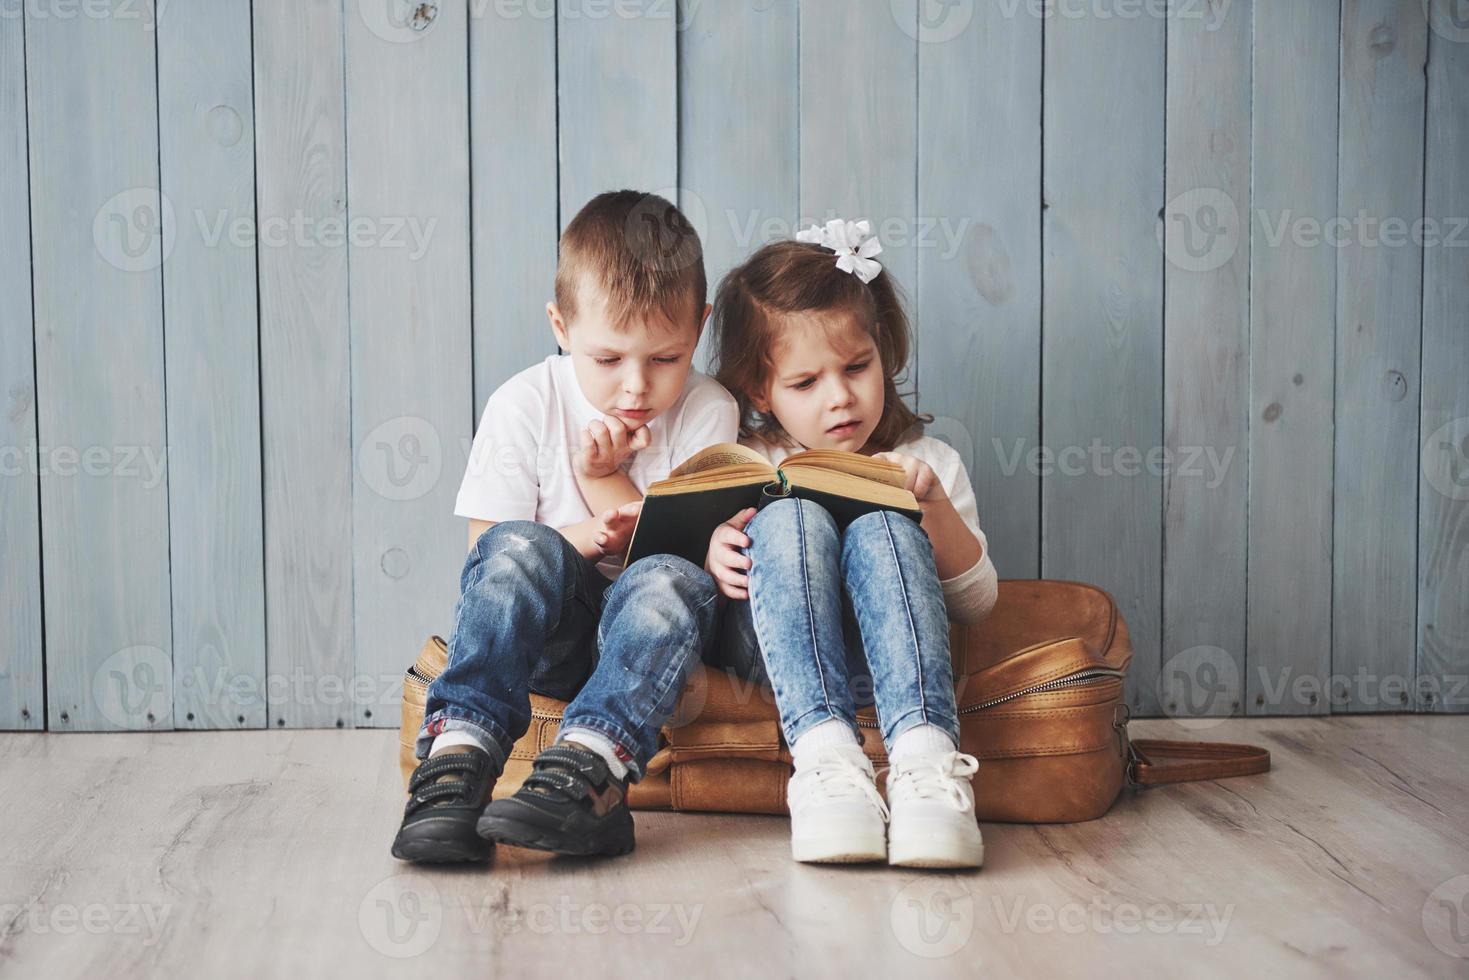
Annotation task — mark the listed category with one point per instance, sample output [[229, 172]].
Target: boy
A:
[[555, 479]]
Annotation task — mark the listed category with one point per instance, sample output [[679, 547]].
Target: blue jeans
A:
[[534, 615], [839, 618]]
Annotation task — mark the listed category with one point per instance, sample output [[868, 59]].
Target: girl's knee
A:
[[883, 524], [794, 515]]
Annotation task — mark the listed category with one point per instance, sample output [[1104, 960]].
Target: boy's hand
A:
[[605, 443], [724, 560], [615, 527], [920, 477]]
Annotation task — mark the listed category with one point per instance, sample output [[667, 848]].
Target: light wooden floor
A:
[[265, 854]]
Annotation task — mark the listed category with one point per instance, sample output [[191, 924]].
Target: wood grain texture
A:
[[1102, 374], [21, 645], [1443, 521], [207, 159], [617, 100], [1292, 326], [1206, 315], [1378, 326], [412, 368], [859, 73], [737, 157], [300, 153], [977, 302], [1260, 875], [98, 238], [512, 127]]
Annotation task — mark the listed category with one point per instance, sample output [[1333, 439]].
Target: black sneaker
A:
[[570, 803], [448, 792]]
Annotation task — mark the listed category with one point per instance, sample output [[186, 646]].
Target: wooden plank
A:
[[207, 156], [21, 647], [300, 153], [1378, 325], [740, 192], [412, 375], [97, 244], [512, 127], [1292, 323], [859, 73], [617, 90], [978, 292], [1102, 399], [1206, 316], [1443, 523]]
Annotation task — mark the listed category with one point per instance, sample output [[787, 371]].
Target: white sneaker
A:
[[932, 805], [837, 814]]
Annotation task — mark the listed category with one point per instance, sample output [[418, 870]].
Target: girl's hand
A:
[[615, 527], [725, 562], [921, 479], [605, 444]]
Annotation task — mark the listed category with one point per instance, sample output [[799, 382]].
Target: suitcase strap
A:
[[1189, 761]]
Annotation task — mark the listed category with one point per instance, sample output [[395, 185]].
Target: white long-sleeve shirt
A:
[[970, 595]]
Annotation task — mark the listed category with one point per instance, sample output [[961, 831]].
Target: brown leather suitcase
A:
[[1039, 691]]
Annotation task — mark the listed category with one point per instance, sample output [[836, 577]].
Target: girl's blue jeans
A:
[[534, 615], [839, 618]]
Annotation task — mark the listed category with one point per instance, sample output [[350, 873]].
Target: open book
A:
[[680, 513]]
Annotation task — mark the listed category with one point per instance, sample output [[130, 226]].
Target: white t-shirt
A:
[[520, 464], [970, 595]]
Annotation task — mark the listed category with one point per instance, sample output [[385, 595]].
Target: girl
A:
[[836, 617]]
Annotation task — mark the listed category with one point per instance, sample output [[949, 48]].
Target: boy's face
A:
[[826, 383], [635, 372]]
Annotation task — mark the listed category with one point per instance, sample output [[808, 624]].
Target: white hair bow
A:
[[846, 238]]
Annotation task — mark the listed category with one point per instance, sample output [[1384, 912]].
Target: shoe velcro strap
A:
[[435, 791], [468, 763], [584, 761], [573, 785]]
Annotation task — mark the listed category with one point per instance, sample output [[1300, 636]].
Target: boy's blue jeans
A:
[[842, 618], [534, 615]]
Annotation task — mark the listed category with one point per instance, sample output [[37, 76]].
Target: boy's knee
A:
[[512, 548], [660, 577]]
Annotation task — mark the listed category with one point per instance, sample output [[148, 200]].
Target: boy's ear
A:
[[703, 322], [558, 326]]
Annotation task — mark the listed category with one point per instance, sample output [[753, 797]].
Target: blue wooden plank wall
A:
[[1189, 288]]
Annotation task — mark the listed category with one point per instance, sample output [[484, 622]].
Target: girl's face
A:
[[826, 384]]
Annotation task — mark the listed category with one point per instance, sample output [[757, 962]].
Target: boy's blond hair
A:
[[640, 251]]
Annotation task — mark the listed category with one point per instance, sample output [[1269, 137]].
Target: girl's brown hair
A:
[[785, 279]]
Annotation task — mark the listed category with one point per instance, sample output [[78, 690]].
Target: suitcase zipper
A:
[[1085, 676]]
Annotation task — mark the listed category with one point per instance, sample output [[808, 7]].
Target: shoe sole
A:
[[933, 854], [840, 850], [613, 841], [421, 850]]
